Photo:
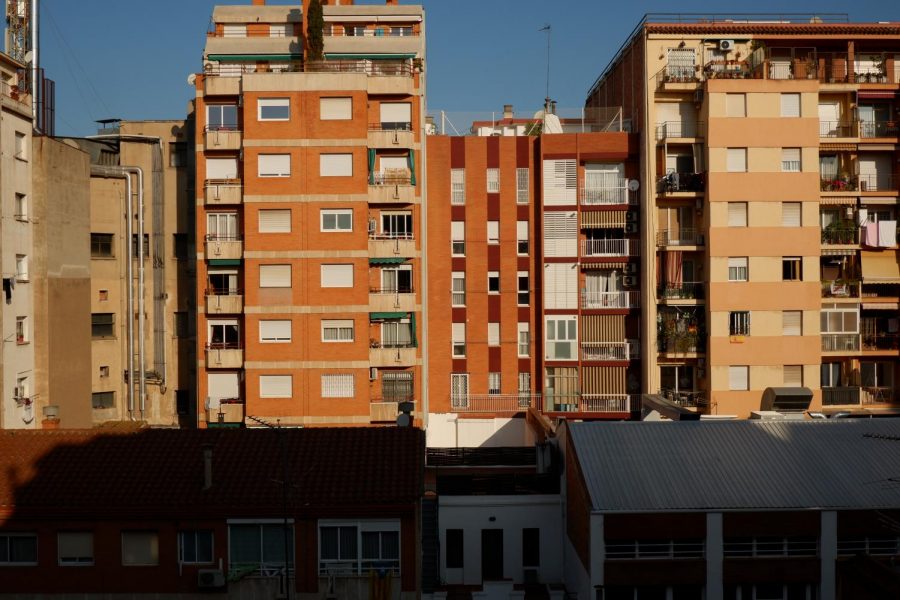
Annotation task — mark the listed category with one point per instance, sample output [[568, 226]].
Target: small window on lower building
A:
[[102, 325], [493, 282], [100, 400], [104, 370], [195, 547], [102, 245], [454, 549], [739, 322], [140, 548], [792, 268], [18, 549], [75, 548]]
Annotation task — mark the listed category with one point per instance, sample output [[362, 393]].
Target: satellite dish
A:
[[192, 78], [634, 185], [28, 56]]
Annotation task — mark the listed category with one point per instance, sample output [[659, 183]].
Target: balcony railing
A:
[[838, 184], [679, 129], [840, 396], [615, 193], [837, 129], [843, 235], [685, 398], [395, 289], [678, 74], [607, 351], [680, 344], [593, 403], [378, 32], [876, 182], [683, 236], [689, 290], [401, 177], [682, 182], [840, 342], [840, 289], [877, 395], [610, 248], [391, 235], [610, 300], [880, 341], [386, 68], [493, 403], [878, 129], [13, 92]]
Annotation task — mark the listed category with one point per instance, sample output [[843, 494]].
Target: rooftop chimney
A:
[[207, 450], [508, 111]]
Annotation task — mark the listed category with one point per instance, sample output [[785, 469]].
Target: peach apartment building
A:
[[770, 231], [309, 221]]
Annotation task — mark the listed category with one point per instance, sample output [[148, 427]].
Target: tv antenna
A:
[[549, 30]]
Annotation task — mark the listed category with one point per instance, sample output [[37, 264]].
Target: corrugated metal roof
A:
[[739, 465]]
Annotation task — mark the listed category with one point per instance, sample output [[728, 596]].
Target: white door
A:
[[829, 119], [874, 172]]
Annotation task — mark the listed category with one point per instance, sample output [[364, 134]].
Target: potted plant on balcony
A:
[[881, 65]]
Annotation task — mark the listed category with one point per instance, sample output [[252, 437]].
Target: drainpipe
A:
[[423, 208], [35, 64]]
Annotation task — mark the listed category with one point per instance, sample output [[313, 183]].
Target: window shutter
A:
[[560, 285], [337, 276], [737, 214], [739, 378], [522, 230], [790, 214], [493, 334], [457, 231], [737, 160], [274, 276], [790, 105], [335, 165], [458, 332], [735, 105], [793, 375], [275, 221], [274, 165], [275, 386], [560, 178], [792, 322], [221, 168], [396, 112], [220, 386], [457, 186], [335, 109], [790, 159], [338, 386], [493, 180], [560, 234], [275, 331], [493, 231]]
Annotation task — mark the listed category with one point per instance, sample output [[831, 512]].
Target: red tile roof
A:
[[161, 472], [738, 27]]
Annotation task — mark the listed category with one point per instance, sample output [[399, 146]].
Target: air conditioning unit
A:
[[630, 281], [210, 578], [631, 227], [632, 268], [726, 45], [631, 216]]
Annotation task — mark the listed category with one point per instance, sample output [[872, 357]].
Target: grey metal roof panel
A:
[[739, 465]]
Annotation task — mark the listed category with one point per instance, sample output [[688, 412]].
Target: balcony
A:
[[682, 183], [609, 351], [386, 355], [493, 403], [391, 135], [391, 300], [224, 302], [391, 188], [592, 403], [615, 193], [224, 356], [20, 99], [684, 398], [840, 396], [381, 40], [841, 288], [224, 412], [878, 129], [610, 248], [683, 236], [688, 290], [679, 129], [880, 342], [688, 343], [387, 245], [218, 138], [845, 233], [223, 191], [216, 84], [610, 300], [876, 182], [678, 77], [838, 129], [228, 247], [840, 342]]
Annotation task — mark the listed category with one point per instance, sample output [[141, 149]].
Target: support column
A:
[[828, 554], [714, 554]]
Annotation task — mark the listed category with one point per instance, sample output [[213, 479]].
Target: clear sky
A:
[[130, 58]]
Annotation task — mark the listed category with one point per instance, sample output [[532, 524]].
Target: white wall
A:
[[512, 514], [448, 430]]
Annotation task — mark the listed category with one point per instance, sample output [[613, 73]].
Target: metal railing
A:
[[878, 128], [684, 398], [840, 396], [655, 549], [390, 179], [377, 32], [683, 236], [838, 184], [391, 126], [679, 129], [888, 545], [681, 182], [876, 182], [877, 395], [606, 351], [384, 68], [847, 235], [840, 289], [224, 292], [688, 290], [594, 403], [837, 129], [622, 247], [840, 342], [407, 289], [390, 236], [493, 403], [223, 346], [14, 93], [613, 300], [678, 74], [221, 237], [613, 194], [880, 341]]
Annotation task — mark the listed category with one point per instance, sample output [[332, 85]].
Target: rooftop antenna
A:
[[548, 29]]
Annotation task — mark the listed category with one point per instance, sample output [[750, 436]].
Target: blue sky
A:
[[130, 58]]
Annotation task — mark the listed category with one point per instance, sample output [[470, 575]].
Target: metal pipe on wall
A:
[[35, 64]]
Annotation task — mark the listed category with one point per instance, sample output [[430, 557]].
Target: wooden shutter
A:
[[275, 221]]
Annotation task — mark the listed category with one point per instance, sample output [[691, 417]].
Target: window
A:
[[560, 180], [338, 386], [739, 323], [493, 180], [458, 291], [494, 383], [792, 268], [562, 335], [135, 249], [140, 548], [397, 386], [275, 221], [522, 238], [790, 160], [793, 375], [397, 333], [195, 547], [275, 331], [457, 186], [274, 165], [396, 116], [219, 226], [459, 390], [336, 109], [21, 393], [839, 318], [531, 547], [397, 280], [280, 30], [276, 386], [274, 276], [458, 238], [735, 105], [792, 322], [181, 323], [335, 165], [183, 402], [737, 269], [75, 548], [337, 330], [523, 293], [178, 154], [790, 105], [493, 232], [221, 116], [102, 325], [21, 149], [454, 549], [21, 268], [18, 549], [737, 214], [397, 225], [273, 109], [223, 334], [358, 547], [337, 276], [493, 334], [234, 30], [220, 169], [102, 400], [21, 208], [522, 185], [791, 214], [180, 246], [104, 371], [22, 330], [458, 339], [336, 219], [560, 233], [493, 282], [259, 545], [737, 160], [524, 339], [525, 386], [739, 377]]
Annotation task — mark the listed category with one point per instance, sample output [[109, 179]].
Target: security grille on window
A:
[[458, 293], [275, 331], [737, 269], [336, 219], [195, 546], [274, 165], [739, 323], [792, 268], [493, 180], [524, 339], [459, 390], [522, 238], [274, 109], [337, 330], [790, 160], [493, 383], [522, 185], [737, 214], [103, 325], [458, 238], [275, 221], [355, 548], [338, 385], [457, 186], [458, 339], [75, 548], [739, 377], [524, 384], [397, 386]]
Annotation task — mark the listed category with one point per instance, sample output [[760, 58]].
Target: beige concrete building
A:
[[769, 160]]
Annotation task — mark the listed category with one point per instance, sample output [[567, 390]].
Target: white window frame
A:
[[359, 566], [458, 340], [522, 238], [493, 181], [791, 162], [457, 186], [273, 103], [339, 327], [337, 213], [524, 339], [271, 331], [457, 241], [520, 276], [738, 268], [739, 322], [337, 385], [459, 381], [552, 339], [522, 185], [277, 170], [494, 379], [458, 291]]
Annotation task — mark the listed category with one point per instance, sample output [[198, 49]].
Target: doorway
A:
[[491, 554]]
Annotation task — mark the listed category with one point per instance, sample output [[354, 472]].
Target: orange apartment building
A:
[[533, 290], [769, 153], [309, 196]]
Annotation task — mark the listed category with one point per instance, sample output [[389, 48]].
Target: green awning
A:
[[390, 260], [383, 316], [249, 57], [217, 425], [335, 56], [224, 262]]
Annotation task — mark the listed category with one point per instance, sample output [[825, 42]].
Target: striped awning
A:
[[603, 265], [603, 380], [837, 147], [603, 328], [870, 201], [880, 267], [838, 200], [838, 252], [603, 218]]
